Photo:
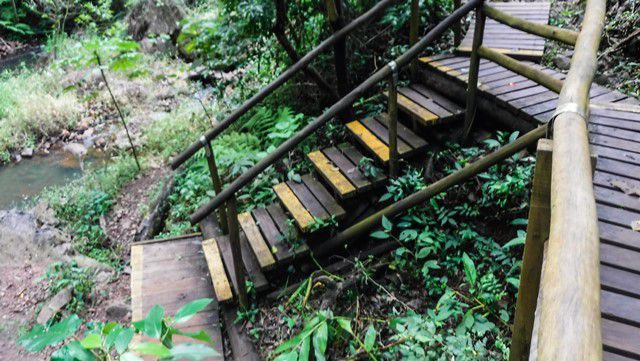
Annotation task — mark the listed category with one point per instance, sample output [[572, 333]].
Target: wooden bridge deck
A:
[[172, 273], [614, 132], [510, 41]]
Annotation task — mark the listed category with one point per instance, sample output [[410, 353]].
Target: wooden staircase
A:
[[310, 209]]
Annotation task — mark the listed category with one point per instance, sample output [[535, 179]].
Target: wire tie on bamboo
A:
[[203, 140], [571, 108]]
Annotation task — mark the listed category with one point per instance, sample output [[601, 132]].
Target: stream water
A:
[[20, 181]]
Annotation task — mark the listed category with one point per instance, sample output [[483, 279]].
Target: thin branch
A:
[[124, 123]]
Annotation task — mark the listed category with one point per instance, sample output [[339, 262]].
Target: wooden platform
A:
[[614, 133], [507, 90], [309, 203], [373, 134], [339, 166], [172, 273], [510, 41]]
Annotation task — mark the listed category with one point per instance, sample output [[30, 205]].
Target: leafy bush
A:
[[113, 341], [80, 205], [61, 275]]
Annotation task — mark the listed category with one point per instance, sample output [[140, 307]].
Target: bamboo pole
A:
[[521, 68], [546, 31], [393, 122], [371, 14], [236, 253], [342, 104], [570, 327], [474, 67], [537, 233], [334, 13], [352, 233], [217, 183], [414, 28], [457, 27]]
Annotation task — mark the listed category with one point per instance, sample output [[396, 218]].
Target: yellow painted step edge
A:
[[137, 258], [331, 174], [257, 242], [369, 140], [425, 116], [293, 205], [219, 279]]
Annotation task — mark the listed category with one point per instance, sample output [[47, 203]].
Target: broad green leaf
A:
[[289, 356], [345, 324], [39, 338], [379, 235], [370, 338], [192, 351], [423, 252], [187, 311], [514, 136], [305, 349], [200, 335], [386, 223], [91, 341], [320, 339], [514, 242], [123, 340], [469, 269], [153, 322], [152, 349], [109, 327], [129, 356], [73, 351]]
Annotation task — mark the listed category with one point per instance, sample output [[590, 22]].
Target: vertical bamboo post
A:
[[215, 179], [413, 34], [393, 120], [336, 19], [474, 65], [457, 28], [236, 252], [537, 234]]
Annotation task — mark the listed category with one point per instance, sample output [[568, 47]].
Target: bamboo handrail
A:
[[521, 68], [421, 196], [372, 13], [546, 31], [570, 326], [339, 106]]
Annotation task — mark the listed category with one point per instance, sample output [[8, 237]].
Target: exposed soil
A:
[[132, 206]]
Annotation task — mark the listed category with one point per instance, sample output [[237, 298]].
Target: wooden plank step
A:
[[339, 167], [148, 288], [257, 242], [309, 203], [426, 106], [373, 134], [280, 234], [219, 278]]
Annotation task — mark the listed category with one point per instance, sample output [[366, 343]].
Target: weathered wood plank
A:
[[348, 169], [308, 200], [328, 202], [332, 174], [300, 214], [369, 140], [257, 242], [219, 278]]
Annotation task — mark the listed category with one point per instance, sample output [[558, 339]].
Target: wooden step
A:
[[310, 204], [219, 279], [373, 134], [273, 229], [340, 167], [251, 263], [161, 276], [427, 107]]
